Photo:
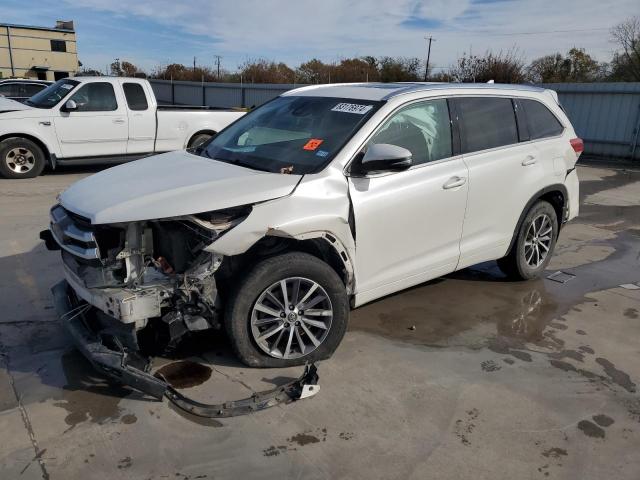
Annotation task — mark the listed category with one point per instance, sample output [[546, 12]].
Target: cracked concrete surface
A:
[[465, 376]]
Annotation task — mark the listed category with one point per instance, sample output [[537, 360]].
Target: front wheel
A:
[[534, 244], [20, 158], [289, 310]]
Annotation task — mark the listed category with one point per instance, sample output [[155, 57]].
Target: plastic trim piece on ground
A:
[[119, 365]]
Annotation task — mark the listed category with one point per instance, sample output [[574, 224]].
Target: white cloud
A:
[[329, 29]]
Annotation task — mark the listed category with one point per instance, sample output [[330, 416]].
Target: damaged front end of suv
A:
[[148, 271], [140, 287]]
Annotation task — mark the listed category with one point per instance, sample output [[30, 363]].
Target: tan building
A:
[[38, 52]]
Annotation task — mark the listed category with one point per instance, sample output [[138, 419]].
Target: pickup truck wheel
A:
[[198, 140], [534, 244], [289, 310], [20, 158]]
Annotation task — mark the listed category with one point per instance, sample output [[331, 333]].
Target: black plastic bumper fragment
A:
[[304, 387], [115, 364], [49, 241], [123, 367]]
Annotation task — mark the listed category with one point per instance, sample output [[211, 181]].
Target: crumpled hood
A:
[[8, 105], [171, 185]]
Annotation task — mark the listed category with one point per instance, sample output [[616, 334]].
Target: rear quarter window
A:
[[540, 121], [486, 122], [136, 99]]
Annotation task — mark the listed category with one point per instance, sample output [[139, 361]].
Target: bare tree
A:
[[626, 61], [501, 67]]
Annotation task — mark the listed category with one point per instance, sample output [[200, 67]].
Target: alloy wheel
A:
[[537, 241], [291, 318], [20, 160]]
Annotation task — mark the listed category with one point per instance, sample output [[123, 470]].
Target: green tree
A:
[[314, 71], [400, 69], [576, 66]]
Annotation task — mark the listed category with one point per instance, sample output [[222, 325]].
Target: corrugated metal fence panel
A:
[[259, 94], [223, 95], [605, 115], [162, 90]]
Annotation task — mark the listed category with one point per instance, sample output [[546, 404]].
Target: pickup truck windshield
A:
[[291, 134], [50, 96]]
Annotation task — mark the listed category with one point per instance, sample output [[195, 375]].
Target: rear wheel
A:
[[20, 158], [198, 139], [289, 310], [534, 244]]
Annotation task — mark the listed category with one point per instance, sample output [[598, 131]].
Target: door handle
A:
[[118, 120], [529, 160], [454, 182]]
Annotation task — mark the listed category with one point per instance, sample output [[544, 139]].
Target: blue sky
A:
[[157, 32]]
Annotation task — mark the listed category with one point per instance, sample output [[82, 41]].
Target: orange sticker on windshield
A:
[[312, 144]]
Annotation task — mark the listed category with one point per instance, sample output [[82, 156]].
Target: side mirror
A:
[[386, 158], [69, 106]]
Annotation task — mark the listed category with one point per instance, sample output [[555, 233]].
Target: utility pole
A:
[[218, 57], [426, 69], [194, 64]]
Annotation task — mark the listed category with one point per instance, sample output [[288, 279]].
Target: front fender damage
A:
[[107, 354], [318, 209]]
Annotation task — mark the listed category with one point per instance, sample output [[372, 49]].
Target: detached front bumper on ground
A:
[[107, 354]]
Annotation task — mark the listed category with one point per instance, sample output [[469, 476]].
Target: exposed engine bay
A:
[[153, 277]]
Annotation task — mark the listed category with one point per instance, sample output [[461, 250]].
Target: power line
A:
[[541, 32]]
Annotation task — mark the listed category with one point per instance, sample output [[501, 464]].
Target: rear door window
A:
[[541, 122], [486, 122], [136, 99]]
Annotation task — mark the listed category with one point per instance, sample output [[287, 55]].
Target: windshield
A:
[[50, 96], [291, 134]]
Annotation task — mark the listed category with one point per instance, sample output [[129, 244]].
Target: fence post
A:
[[173, 100], [204, 95], [242, 96]]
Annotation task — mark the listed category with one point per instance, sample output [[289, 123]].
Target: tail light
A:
[[577, 144]]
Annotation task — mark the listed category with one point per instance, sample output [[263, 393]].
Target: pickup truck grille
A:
[[74, 234]]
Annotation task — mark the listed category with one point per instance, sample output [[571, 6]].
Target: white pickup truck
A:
[[97, 119]]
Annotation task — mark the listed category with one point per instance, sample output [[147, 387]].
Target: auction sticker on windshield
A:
[[352, 108], [312, 144]]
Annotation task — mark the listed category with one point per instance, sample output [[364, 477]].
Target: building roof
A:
[[385, 91], [32, 27]]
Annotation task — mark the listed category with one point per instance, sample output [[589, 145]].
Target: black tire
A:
[[20, 158], [198, 139], [241, 301], [515, 264]]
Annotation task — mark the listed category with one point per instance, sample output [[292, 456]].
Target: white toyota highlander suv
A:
[[323, 199]]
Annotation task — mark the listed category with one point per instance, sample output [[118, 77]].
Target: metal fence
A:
[[605, 115], [223, 95]]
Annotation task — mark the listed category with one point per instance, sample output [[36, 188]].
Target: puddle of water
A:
[[184, 374], [87, 396]]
